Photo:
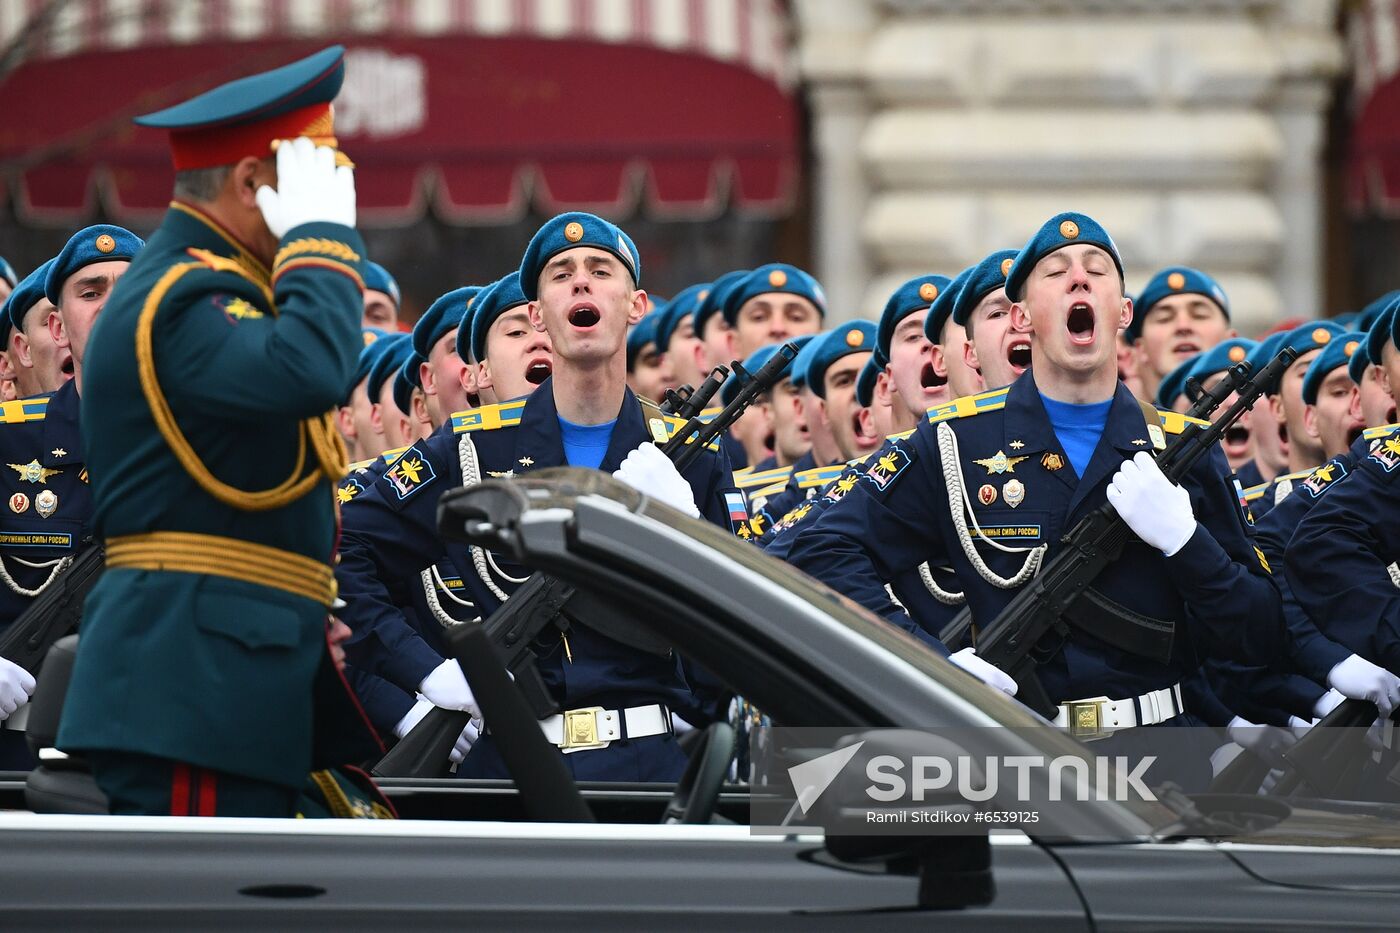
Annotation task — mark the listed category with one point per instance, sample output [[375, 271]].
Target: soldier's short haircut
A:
[[201, 184]]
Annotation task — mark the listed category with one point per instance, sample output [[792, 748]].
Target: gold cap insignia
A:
[[1006, 265], [1176, 281], [854, 338], [1350, 347], [573, 231], [777, 278], [1069, 229], [105, 243], [1237, 353], [1321, 335], [987, 494], [704, 293], [928, 291]]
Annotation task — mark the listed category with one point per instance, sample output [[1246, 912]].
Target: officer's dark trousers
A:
[[140, 785]]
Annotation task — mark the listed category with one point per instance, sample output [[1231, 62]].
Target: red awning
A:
[[481, 128], [1373, 158]]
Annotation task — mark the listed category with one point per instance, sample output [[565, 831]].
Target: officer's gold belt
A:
[[187, 552]]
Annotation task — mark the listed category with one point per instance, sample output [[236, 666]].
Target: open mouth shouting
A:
[[584, 316], [1080, 324], [1019, 355], [1236, 443], [538, 370]]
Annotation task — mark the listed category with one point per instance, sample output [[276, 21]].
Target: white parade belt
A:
[[1098, 717], [576, 730]]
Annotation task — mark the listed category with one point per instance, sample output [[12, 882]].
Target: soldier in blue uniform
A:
[[382, 298], [646, 369], [40, 365], [708, 322], [354, 418], [515, 358], [1180, 312], [991, 482], [1285, 415], [676, 340], [770, 305], [417, 421], [580, 278], [904, 352], [387, 420], [441, 372], [229, 341], [996, 352]]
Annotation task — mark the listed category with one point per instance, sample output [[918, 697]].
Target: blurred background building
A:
[[868, 140]]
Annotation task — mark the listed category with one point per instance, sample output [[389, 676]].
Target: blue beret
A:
[[986, 277], [805, 351], [685, 303], [942, 307], [373, 349], [776, 277], [1367, 315], [395, 349], [1174, 280], [26, 295], [915, 295], [405, 381], [1360, 359], [1174, 383], [865, 382], [443, 315], [378, 278], [1062, 230], [488, 306], [1337, 352], [1313, 335], [98, 243], [7, 272], [1381, 331], [371, 334], [569, 231], [1222, 356], [753, 364], [283, 103], [641, 334], [1347, 320], [841, 340], [714, 299]]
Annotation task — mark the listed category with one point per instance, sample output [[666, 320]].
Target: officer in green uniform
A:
[[208, 428]]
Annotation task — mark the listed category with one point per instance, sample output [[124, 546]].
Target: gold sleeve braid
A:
[[326, 443]]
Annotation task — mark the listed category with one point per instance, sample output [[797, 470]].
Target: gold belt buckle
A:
[[581, 729], [1086, 719]]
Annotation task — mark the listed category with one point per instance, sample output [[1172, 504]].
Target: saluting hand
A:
[[310, 188]]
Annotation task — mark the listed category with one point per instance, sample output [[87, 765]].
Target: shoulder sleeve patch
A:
[[1384, 451], [411, 472], [1323, 478], [886, 468]]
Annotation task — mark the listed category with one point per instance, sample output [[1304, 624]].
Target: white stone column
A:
[[841, 196]]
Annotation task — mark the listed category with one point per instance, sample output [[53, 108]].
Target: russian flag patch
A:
[[738, 511]]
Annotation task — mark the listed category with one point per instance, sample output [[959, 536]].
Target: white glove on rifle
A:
[[447, 687], [989, 674], [1359, 679], [1268, 742], [1156, 509], [16, 687], [420, 709], [310, 188], [649, 471], [1326, 703]]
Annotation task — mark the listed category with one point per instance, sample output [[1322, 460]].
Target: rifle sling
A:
[[1111, 622]]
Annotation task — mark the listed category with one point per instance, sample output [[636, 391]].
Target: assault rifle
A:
[[543, 609], [55, 612], [1036, 623], [1329, 756], [687, 402]]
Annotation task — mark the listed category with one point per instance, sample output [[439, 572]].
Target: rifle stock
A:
[[542, 602], [54, 613]]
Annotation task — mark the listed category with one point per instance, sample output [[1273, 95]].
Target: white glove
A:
[[16, 687], [1268, 742], [1359, 679], [649, 471], [989, 674], [310, 188], [1156, 509], [420, 709], [447, 687], [1326, 703]]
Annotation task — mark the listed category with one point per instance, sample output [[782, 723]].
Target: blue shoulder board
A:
[[969, 405], [488, 417], [20, 410]]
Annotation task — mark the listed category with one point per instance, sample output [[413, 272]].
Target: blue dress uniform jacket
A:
[[899, 515], [390, 535], [212, 655], [45, 483], [1338, 556]]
